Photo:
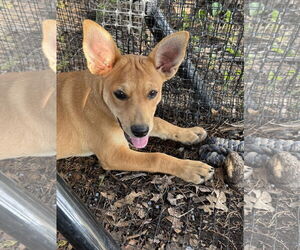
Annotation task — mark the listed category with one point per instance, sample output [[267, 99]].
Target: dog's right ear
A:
[[49, 42], [99, 48]]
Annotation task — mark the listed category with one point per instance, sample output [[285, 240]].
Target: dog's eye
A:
[[120, 95], [152, 94]]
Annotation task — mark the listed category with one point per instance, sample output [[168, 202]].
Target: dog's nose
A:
[[139, 130]]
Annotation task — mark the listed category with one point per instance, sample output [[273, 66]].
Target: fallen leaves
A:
[[258, 199], [173, 199], [128, 199], [175, 219], [156, 197], [217, 200], [110, 196]]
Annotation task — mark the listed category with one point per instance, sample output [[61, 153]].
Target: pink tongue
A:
[[140, 142]]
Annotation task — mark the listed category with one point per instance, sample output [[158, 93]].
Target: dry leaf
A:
[[173, 200], [212, 247], [176, 223], [220, 202], [175, 219], [249, 201], [194, 242], [141, 213], [128, 199], [216, 200], [108, 196], [205, 189], [172, 211], [156, 197], [136, 235], [207, 209], [122, 223], [145, 204], [131, 245], [261, 200]]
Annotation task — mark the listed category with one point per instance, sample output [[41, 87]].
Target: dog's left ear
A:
[[169, 53]]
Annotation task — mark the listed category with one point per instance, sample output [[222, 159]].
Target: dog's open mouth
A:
[[137, 142]]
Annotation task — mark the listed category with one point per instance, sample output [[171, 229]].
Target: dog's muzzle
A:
[[137, 142]]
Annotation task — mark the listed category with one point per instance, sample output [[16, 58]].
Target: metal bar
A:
[[160, 28], [25, 218], [77, 223]]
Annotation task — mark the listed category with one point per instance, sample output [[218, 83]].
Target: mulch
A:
[[157, 211]]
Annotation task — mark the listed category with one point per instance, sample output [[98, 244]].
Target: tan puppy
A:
[[28, 106], [116, 99]]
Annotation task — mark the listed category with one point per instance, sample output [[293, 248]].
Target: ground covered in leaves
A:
[[156, 211], [271, 214]]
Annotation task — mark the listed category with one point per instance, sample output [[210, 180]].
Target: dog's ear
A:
[[169, 53], [99, 48], [49, 42]]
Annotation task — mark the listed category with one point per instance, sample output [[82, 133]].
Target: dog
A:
[[28, 106], [111, 104]]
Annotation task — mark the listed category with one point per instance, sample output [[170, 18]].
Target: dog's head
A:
[[132, 84]]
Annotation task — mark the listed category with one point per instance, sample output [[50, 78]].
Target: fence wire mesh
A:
[[272, 91], [147, 211], [271, 214], [22, 63], [214, 66], [20, 27]]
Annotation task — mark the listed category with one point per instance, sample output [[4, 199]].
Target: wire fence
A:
[[209, 85], [272, 91], [22, 63], [272, 79], [146, 210], [20, 27]]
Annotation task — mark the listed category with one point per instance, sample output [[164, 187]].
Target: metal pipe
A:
[[25, 218], [77, 223]]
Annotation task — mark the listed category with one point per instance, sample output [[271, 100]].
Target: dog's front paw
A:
[[196, 172], [191, 135]]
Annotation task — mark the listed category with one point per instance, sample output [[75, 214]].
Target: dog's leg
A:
[[124, 159], [165, 130]]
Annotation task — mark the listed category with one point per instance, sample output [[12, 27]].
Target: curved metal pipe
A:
[[77, 224], [25, 218]]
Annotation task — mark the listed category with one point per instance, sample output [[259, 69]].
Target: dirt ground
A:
[[156, 211], [271, 214]]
